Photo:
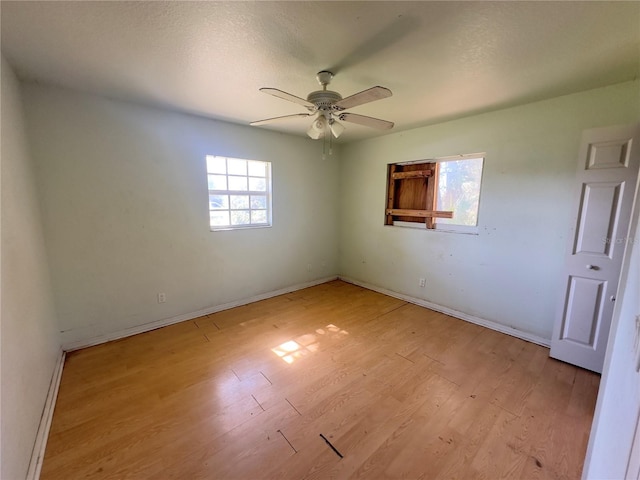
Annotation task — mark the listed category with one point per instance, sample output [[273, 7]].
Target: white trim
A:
[[146, 327], [454, 228], [37, 454], [462, 156], [442, 228], [529, 337]]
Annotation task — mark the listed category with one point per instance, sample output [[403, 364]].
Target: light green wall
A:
[[30, 346], [510, 272], [126, 216]]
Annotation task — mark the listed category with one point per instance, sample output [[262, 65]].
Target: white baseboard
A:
[[146, 327], [89, 342], [453, 313], [37, 454]]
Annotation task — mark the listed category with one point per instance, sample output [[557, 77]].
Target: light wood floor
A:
[[400, 391]]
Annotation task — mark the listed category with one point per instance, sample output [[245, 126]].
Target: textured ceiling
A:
[[442, 60]]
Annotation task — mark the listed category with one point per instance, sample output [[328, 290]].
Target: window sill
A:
[[462, 229], [242, 227]]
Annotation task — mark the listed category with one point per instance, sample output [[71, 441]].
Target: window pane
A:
[[257, 169], [216, 164], [459, 190], [237, 166], [237, 183], [258, 201], [239, 201], [217, 182], [257, 184], [240, 217], [217, 202], [219, 218], [258, 216]]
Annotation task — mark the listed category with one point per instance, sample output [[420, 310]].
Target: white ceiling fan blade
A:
[[366, 96], [287, 96], [275, 119], [366, 121]]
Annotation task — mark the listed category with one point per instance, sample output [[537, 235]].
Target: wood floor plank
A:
[[400, 391]]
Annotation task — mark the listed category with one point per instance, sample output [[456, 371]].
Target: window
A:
[[239, 193], [442, 194]]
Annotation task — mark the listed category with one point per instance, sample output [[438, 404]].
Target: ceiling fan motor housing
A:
[[324, 99]]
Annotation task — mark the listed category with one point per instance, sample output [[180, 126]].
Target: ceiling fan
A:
[[327, 107]]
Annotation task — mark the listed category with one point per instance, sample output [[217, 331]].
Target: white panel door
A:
[[606, 180]]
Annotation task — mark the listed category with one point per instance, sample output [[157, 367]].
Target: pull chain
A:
[[324, 148]]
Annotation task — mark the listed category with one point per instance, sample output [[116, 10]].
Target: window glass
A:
[[257, 184], [239, 201], [236, 166], [217, 202], [240, 217], [256, 169], [219, 219], [217, 182], [459, 190], [216, 164], [259, 202], [238, 183], [258, 216]]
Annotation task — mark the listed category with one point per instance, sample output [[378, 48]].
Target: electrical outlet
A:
[[308, 267], [162, 297], [422, 282]]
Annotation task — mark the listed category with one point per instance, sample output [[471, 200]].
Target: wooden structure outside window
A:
[[412, 194]]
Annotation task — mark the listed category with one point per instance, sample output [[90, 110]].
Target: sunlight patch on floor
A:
[[303, 345]]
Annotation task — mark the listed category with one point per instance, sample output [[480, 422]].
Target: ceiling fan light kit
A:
[[327, 106], [317, 128], [336, 127]]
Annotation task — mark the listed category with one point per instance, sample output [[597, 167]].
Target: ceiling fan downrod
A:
[[324, 78]]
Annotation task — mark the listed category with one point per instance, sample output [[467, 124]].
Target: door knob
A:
[[593, 267]]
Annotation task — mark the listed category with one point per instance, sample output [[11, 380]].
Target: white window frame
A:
[[250, 193], [449, 228]]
